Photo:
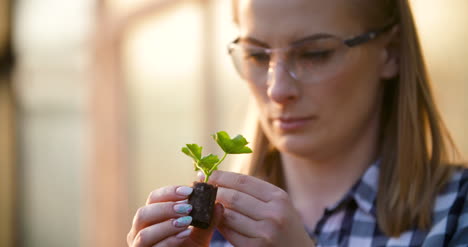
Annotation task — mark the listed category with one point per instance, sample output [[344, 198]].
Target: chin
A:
[[298, 144]]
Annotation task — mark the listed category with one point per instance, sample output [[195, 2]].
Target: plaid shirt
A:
[[353, 222]]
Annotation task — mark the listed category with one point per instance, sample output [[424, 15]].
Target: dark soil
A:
[[202, 200]]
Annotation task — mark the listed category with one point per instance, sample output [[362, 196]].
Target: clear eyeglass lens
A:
[[309, 62]]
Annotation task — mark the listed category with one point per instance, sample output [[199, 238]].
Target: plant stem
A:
[[214, 167]]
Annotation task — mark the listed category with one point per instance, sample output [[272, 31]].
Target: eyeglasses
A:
[[309, 60]]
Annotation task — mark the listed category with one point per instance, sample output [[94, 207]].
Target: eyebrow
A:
[[316, 36], [251, 41], [294, 43]]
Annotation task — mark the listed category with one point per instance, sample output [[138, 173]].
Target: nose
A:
[[282, 87]]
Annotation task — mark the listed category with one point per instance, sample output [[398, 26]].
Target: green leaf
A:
[[236, 145], [207, 162], [195, 152]]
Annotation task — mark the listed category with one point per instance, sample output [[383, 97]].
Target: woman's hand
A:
[[164, 221], [257, 213]]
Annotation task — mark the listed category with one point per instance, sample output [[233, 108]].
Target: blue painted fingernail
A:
[[184, 190], [183, 221], [183, 208]]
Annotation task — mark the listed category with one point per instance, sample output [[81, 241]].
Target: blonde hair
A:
[[414, 142]]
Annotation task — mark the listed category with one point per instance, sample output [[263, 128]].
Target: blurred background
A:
[[98, 96]]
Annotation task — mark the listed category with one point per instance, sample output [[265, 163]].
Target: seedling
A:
[[203, 196]]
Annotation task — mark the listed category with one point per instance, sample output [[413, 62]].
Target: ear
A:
[[390, 57]]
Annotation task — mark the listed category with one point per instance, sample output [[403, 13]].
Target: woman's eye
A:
[[258, 57], [315, 55]]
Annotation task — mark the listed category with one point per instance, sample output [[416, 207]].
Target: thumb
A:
[[202, 237]]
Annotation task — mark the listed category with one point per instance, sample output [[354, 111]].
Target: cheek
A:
[[260, 95], [351, 93], [262, 102]]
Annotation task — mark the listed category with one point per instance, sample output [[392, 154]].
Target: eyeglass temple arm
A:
[[368, 36]]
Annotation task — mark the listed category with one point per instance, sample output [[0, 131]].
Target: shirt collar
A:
[[363, 192]]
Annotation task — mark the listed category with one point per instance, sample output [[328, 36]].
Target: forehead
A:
[[278, 22]]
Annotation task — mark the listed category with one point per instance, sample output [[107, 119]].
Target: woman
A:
[[350, 148]]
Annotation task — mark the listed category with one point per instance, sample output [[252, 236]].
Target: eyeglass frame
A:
[[350, 42]]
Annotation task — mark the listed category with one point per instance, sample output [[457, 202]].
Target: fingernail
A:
[[183, 208], [184, 190], [221, 206], [182, 201], [184, 234], [201, 176], [182, 221]]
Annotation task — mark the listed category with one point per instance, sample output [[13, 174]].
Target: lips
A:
[[291, 123]]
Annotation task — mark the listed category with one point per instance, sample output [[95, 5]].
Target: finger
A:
[[202, 237], [158, 212], [217, 215], [236, 238], [250, 185], [169, 193], [154, 234], [176, 240], [241, 223], [242, 203]]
